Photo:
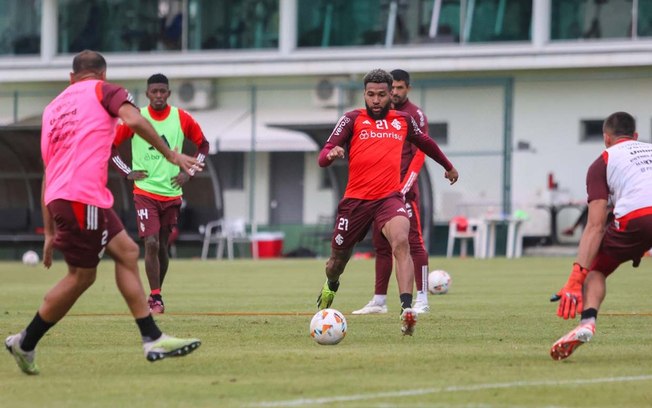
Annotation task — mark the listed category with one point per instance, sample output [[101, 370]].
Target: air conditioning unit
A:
[[330, 93], [197, 94]]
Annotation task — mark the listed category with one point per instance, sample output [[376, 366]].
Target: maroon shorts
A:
[[83, 231], [415, 237], [624, 244], [354, 217], [152, 215]]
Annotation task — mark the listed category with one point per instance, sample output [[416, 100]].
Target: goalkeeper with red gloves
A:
[[622, 177]]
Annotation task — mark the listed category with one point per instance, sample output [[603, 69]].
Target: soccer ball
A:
[[439, 282], [328, 326], [30, 258]]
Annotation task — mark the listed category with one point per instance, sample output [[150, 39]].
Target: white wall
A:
[[475, 140], [316, 201], [548, 107], [547, 113]]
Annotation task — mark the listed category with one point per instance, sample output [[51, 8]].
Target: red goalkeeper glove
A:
[[570, 296]]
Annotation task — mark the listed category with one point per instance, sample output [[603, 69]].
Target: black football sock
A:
[[149, 331], [589, 313], [334, 285], [34, 332], [406, 301]]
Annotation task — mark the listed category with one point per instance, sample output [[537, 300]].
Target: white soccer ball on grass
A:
[[328, 327], [439, 282], [30, 258]]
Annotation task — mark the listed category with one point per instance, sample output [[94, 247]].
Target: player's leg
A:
[[124, 252], [419, 258], [80, 236], [156, 344], [334, 268], [168, 219], [351, 225], [383, 263], [392, 216], [397, 230], [152, 270], [149, 224], [56, 304], [163, 253], [594, 291], [616, 248]]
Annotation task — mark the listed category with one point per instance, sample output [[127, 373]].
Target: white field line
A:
[[453, 388]]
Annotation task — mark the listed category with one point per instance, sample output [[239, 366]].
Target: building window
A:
[[573, 20], [330, 23], [497, 21], [20, 27], [111, 25], [160, 25], [591, 130], [233, 24], [644, 19], [439, 132], [230, 169]]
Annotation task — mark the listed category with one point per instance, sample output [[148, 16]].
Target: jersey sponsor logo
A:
[[366, 122], [417, 130], [364, 135], [344, 120], [396, 124], [422, 118], [164, 140], [339, 239]]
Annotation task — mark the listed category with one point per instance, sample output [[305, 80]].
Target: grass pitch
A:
[[485, 344]]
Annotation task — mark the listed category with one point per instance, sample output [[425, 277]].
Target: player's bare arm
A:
[[593, 232], [137, 175]]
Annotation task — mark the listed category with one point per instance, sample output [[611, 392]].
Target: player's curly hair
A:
[[378, 76]]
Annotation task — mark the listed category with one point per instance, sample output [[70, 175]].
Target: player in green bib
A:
[[157, 183]]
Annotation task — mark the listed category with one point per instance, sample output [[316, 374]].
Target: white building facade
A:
[[515, 90]]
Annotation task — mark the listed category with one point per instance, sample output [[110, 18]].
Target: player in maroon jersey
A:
[[412, 160], [374, 139]]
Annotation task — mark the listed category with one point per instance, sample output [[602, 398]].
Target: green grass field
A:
[[485, 344]]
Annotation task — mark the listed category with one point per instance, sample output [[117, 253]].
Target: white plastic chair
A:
[[465, 230], [226, 233]]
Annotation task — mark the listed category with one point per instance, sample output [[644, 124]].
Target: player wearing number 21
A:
[[374, 138]]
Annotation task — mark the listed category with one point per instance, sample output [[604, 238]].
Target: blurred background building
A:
[[515, 92]]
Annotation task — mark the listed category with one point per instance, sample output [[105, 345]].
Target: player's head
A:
[[158, 91], [88, 65], [619, 125], [377, 93], [400, 86]]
